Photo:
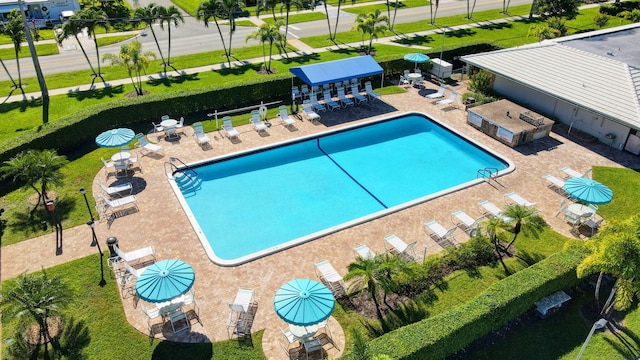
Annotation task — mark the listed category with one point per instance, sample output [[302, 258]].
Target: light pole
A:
[[91, 224], [596, 326], [83, 191], [444, 34]]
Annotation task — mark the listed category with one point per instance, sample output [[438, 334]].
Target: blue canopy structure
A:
[[337, 70]]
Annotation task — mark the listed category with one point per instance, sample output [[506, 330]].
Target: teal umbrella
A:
[[417, 58], [588, 191], [165, 280], [115, 138], [303, 302]]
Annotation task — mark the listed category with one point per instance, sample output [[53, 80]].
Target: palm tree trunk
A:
[[389, 13], [326, 11], [270, 54], [95, 42], [169, 48], [84, 52], [17, 50], [286, 25], [375, 302], [395, 12], [370, 44], [224, 46], [232, 28], [9, 74], [499, 253], [164, 63], [597, 290], [335, 29], [609, 303]]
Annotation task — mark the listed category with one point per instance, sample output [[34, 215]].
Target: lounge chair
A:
[[242, 313], [465, 222], [295, 93], [330, 277], [356, 94], [180, 125], [117, 190], [157, 128], [344, 100], [145, 145], [364, 252], [316, 105], [440, 234], [198, 132], [256, 122], [572, 219], [142, 255], [307, 108], [305, 90], [516, 198], [438, 94], [404, 81], [593, 222], [227, 127], [450, 100], [328, 101], [369, 90], [554, 181], [569, 172], [492, 210], [417, 82], [110, 206], [244, 300], [283, 114], [399, 247]]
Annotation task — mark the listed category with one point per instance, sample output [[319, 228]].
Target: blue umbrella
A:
[[303, 302], [588, 191], [165, 280], [416, 58], [115, 138]]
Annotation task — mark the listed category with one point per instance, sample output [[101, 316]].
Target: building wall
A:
[[577, 117]]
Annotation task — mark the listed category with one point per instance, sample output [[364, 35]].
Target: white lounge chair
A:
[[256, 122], [109, 167], [465, 222], [145, 145], [117, 190], [369, 90], [516, 198], [440, 234], [399, 247], [145, 254], [364, 252], [328, 101], [491, 209], [554, 181], [198, 132], [307, 108], [315, 104], [283, 114], [344, 100], [356, 94], [569, 172], [330, 277], [438, 94], [244, 300], [450, 100], [227, 127], [110, 206]]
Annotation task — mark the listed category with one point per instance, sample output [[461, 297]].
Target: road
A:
[[192, 37]]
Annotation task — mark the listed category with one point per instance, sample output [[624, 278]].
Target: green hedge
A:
[[444, 334]]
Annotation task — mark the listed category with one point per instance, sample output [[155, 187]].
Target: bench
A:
[[552, 301]]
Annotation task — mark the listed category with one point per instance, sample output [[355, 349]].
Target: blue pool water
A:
[[269, 199]]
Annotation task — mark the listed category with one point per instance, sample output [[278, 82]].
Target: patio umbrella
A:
[[303, 302], [165, 280], [588, 191], [416, 58], [115, 138]]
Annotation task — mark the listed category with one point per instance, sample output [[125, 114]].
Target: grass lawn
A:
[[108, 40], [383, 7], [297, 18], [41, 49]]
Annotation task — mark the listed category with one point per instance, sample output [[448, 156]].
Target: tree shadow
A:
[[407, 313], [109, 91], [529, 258], [303, 59], [177, 350], [22, 105], [75, 338], [239, 70], [421, 40], [168, 81], [25, 223], [495, 26], [460, 33]]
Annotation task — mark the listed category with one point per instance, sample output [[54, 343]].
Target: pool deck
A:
[[162, 223]]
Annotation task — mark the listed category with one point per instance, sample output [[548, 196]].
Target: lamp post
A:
[[91, 224], [83, 191], [596, 326], [444, 34]]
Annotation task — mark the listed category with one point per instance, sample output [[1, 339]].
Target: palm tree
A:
[[524, 219], [150, 14], [73, 27], [170, 15], [371, 24], [229, 7], [14, 29], [33, 167], [91, 19], [493, 227], [335, 29], [35, 298], [134, 59], [287, 4], [267, 33], [433, 14], [211, 9], [470, 10], [390, 266], [365, 270], [267, 5], [617, 252]]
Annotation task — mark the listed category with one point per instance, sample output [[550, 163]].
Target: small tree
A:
[[601, 20], [568, 9], [267, 34], [481, 81], [543, 32], [558, 24], [35, 298], [372, 24], [493, 227], [134, 59], [365, 271], [35, 167], [524, 219], [13, 28]]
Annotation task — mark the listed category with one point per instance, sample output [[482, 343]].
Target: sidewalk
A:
[[303, 50]]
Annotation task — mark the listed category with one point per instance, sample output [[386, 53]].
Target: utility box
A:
[[441, 68]]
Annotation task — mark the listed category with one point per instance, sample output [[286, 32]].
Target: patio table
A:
[[303, 332], [414, 76], [580, 210], [121, 156]]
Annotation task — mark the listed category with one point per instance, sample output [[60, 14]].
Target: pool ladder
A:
[[185, 176], [487, 173]]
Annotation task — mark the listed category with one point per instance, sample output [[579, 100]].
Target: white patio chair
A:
[[369, 90], [306, 107], [465, 222], [450, 100], [516, 198], [145, 145], [364, 252], [110, 206], [157, 127], [344, 100], [399, 247], [117, 190], [256, 122], [438, 94], [244, 300], [356, 94], [330, 277], [593, 223], [328, 101], [180, 125], [109, 167], [315, 104], [228, 129], [143, 255], [556, 184], [199, 134], [572, 219], [441, 235], [135, 162], [491, 209], [283, 114]]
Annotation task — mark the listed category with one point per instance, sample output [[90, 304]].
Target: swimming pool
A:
[[261, 201]]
